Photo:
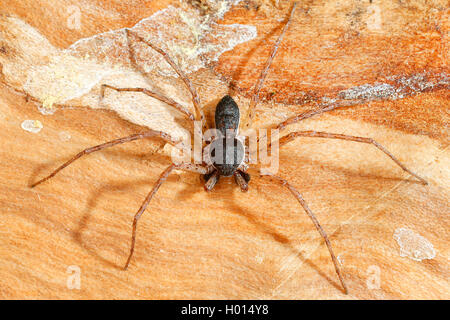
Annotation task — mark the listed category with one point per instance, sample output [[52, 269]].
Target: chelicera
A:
[[232, 148]]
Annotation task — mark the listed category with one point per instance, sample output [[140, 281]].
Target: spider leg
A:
[[255, 98], [212, 180], [309, 114], [152, 94], [315, 134], [147, 134], [241, 180], [187, 167], [319, 228], [181, 74]]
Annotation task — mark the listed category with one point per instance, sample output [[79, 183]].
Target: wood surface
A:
[[227, 244]]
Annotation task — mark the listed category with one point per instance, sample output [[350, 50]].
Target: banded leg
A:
[[314, 134], [137, 136], [152, 94], [319, 228], [187, 167], [211, 180], [242, 179], [309, 114], [255, 98], [181, 74]]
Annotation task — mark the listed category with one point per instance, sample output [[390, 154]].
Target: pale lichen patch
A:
[[64, 78], [33, 126], [400, 87], [367, 91], [47, 106], [413, 245], [193, 39]]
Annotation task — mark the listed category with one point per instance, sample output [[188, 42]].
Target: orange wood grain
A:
[[227, 244]]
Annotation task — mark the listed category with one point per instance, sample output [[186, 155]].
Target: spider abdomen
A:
[[227, 116]]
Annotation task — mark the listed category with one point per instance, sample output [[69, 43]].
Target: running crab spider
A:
[[227, 121]]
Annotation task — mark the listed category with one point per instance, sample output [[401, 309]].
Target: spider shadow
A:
[[348, 172], [255, 220], [93, 203], [77, 235], [187, 194]]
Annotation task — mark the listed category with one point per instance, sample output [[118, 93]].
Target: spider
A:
[[227, 122]]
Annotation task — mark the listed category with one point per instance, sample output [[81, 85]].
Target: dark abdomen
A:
[[227, 115]]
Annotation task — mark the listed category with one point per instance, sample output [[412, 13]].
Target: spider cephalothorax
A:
[[226, 154]]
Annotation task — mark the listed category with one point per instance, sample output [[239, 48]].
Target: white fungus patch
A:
[[401, 87], [413, 245], [367, 91], [65, 78], [73, 76], [47, 107], [191, 40], [33, 126]]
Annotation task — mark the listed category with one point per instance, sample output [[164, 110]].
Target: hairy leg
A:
[[314, 134], [187, 167], [137, 136], [255, 98], [181, 74], [242, 179], [319, 228], [152, 94], [212, 180], [309, 114]]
